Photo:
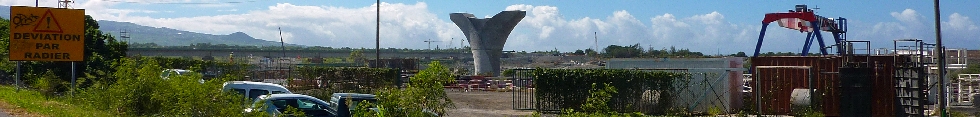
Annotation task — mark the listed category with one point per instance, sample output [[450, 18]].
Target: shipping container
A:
[[775, 85]]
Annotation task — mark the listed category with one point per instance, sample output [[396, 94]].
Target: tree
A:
[[615, 51], [972, 69], [740, 54], [591, 53], [423, 93], [651, 52], [5, 64], [356, 56], [672, 50], [579, 52]]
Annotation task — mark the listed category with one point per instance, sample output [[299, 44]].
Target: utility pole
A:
[[942, 62], [377, 36]]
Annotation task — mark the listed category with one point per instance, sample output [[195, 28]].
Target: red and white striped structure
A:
[[826, 24]]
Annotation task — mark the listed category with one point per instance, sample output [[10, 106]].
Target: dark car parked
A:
[[339, 106]]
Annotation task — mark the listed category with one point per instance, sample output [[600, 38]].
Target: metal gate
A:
[[523, 89]]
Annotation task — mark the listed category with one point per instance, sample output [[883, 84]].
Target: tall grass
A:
[[35, 102]]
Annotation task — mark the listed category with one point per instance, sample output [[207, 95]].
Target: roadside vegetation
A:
[[139, 91], [423, 94], [37, 104], [109, 84]]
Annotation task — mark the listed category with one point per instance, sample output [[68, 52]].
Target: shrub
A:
[[508, 73], [561, 88], [423, 93], [598, 99], [597, 104], [140, 91], [806, 111], [49, 84]]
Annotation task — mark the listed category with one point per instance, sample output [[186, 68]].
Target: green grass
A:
[[34, 102]]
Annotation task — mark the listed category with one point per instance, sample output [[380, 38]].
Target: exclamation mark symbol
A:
[[49, 23]]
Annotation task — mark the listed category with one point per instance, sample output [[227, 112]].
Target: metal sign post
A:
[[17, 77], [72, 90]]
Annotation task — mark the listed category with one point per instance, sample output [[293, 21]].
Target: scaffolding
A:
[[911, 77], [963, 88]]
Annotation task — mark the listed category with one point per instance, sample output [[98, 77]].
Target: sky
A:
[[711, 27]]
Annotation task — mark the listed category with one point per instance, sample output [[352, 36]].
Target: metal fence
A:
[[705, 89]]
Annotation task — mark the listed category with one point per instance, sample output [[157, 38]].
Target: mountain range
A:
[[167, 36], [172, 37]]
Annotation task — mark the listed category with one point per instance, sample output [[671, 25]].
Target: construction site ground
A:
[[475, 103]]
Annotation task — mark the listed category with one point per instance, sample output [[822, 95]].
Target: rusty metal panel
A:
[[883, 84], [776, 85], [855, 85]]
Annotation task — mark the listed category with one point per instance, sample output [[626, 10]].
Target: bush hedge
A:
[[649, 92]]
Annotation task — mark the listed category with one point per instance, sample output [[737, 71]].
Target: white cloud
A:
[[544, 28], [958, 30], [908, 16], [698, 33], [520, 7], [959, 22], [402, 25], [709, 33], [710, 18]]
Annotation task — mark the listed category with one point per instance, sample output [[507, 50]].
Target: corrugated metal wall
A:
[[776, 85]]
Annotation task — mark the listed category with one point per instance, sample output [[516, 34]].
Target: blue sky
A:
[[707, 26]]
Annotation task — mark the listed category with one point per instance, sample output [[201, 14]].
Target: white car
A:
[[276, 104], [254, 89], [177, 72]]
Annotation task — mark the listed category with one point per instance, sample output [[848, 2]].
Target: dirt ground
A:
[[483, 104]]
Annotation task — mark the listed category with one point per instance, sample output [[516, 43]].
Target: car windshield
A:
[[181, 72], [253, 93]]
